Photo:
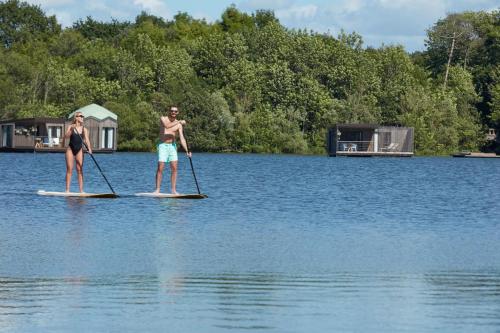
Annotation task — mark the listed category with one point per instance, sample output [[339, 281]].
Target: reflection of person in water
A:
[[76, 133], [167, 148]]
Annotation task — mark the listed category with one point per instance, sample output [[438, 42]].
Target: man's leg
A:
[[173, 176], [159, 176]]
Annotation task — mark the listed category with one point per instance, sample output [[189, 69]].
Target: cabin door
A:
[[107, 137], [7, 131], [55, 135]]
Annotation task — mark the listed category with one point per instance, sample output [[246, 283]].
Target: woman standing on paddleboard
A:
[[76, 133]]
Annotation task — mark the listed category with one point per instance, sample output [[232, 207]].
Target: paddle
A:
[[97, 164], [192, 170], [194, 175]]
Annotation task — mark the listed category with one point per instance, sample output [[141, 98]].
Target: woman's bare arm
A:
[[87, 140]]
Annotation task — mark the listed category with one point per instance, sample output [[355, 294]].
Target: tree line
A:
[[245, 83]]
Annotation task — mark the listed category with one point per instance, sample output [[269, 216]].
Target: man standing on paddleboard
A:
[[167, 148]]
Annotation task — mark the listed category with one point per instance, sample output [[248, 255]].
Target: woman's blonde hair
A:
[[74, 117]]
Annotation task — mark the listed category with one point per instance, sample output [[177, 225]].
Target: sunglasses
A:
[[81, 116]]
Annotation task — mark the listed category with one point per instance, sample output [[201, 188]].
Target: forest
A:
[[246, 83]]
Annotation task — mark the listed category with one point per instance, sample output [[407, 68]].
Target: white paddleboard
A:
[[172, 196], [77, 194]]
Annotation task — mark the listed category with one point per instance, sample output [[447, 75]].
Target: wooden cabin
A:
[[370, 140], [47, 134], [492, 135], [102, 125]]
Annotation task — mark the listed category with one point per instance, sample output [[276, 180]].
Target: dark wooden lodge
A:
[[47, 134], [370, 140]]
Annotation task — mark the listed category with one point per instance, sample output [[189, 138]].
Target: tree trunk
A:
[[46, 92], [449, 60], [467, 55]]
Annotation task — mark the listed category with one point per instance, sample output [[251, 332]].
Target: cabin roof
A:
[[96, 111], [367, 126], [30, 121], [358, 126]]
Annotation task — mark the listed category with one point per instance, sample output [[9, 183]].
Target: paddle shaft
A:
[[194, 175], [96, 164], [192, 170]]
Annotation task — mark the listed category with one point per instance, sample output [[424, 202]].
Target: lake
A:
[[282, 244]]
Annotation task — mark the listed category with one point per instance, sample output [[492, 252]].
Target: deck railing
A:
[[367, 146], [46, 142], [353, 146]]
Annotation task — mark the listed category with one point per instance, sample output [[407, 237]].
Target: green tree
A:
[[213, 55], [92, 29], [235, 21], [21, 22], [395, 76], [264, 17], [185, 28], [69, 43]]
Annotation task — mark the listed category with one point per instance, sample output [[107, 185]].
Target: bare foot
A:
[[157, 191]]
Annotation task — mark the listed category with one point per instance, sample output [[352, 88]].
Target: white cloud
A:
[[154, 7], [411, 5], [201, 16], [351, 6], [399, 3], [300, 13], [65, 18], [378, 21], [376, 40], [266, 4], [97, 6], [51, 3]]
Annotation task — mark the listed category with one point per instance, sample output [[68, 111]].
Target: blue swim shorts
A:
[[167, 152]]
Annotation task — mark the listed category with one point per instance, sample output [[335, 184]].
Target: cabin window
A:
[[21, 130], [54, 131], [352, 136], [107, 137]]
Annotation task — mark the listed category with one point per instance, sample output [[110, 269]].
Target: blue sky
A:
[[378, 21]]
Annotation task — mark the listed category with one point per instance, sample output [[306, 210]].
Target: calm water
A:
[[282, 244]]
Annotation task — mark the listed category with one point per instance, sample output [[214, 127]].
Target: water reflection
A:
[[365, 245], [262, 301]]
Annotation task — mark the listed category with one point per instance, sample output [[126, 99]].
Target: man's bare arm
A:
[[171, 124]]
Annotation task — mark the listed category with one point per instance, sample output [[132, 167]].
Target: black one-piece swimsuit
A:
[[76, 142]]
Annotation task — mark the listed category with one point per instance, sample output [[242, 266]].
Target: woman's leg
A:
[[69, 168], [79, 169]]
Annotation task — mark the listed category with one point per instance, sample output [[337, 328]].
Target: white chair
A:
[[391, 147]]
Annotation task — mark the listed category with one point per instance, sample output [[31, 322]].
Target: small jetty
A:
[[468, 154]]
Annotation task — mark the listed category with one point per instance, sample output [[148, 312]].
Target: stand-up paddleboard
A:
[[78, 195], [172, 196]]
